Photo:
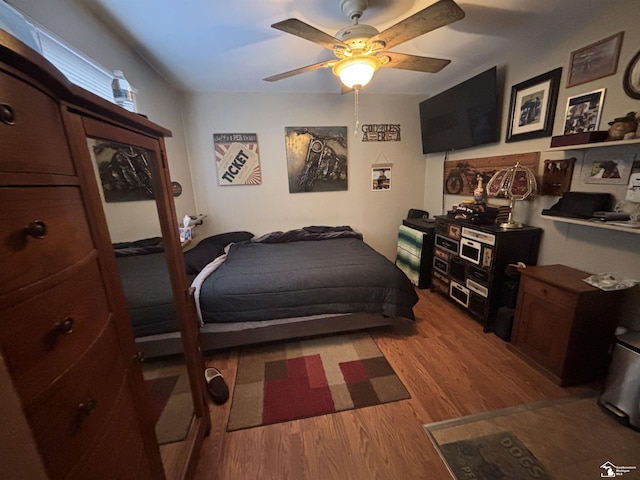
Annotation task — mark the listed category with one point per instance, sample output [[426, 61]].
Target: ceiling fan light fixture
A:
[[356, 71]]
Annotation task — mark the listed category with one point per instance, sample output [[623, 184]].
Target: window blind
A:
[[75, 65]]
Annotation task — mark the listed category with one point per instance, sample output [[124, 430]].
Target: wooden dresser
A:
[[563, 325], [68, 353]]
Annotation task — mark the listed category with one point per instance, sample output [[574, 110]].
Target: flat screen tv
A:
[[463, 116]]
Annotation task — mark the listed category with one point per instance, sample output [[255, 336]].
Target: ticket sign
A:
[[237, 158]]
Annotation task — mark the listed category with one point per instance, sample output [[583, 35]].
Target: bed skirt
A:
[[235, 334]]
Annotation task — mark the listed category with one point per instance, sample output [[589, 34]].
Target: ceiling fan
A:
[[360, 49]]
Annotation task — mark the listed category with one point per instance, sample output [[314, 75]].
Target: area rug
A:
[[565, 439], [170, 401], [300, 379]]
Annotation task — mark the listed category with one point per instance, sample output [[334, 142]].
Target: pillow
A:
[[211, 248], [200, 255], [139, 247], [225, 239]]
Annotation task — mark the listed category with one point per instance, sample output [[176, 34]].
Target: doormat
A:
[[300, 379], [564, 439]]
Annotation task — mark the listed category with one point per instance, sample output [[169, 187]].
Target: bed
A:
[[310, 281]]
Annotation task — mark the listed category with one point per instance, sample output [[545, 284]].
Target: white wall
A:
[[270, 206], [581, 247]]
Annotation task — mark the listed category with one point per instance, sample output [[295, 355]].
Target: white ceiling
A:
[[228, 45]]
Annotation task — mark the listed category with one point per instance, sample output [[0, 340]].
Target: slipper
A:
[[216, 386]]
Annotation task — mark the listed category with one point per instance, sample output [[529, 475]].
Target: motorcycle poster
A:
[[316, 159]]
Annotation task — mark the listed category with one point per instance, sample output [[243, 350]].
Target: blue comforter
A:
[[265, 280]]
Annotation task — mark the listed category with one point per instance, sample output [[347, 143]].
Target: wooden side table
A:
[[563, 325]]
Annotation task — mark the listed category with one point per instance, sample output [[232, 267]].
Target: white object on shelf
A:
[[196, 219], [123, 92], [186, 234]]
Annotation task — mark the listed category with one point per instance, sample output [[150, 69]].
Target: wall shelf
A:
[[594, 224], [586, 146]]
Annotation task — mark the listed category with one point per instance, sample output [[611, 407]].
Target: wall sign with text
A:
[[383, 132], [237, 159]]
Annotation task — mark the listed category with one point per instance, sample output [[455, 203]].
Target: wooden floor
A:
[[450, 368]]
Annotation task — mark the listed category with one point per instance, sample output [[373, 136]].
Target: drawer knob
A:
[[7, 115], [139, 356], [65, 327], [87, 407], [37, 229]]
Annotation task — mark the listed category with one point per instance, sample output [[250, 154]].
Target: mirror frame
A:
[[88, 125]]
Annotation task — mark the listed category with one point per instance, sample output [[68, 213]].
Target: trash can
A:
[[621, 392]]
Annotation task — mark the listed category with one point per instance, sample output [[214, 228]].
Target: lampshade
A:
[[357, 70], [514, 183]]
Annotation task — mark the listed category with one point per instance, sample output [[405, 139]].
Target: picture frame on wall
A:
[[597, 60], [631, 79], [533, 107], [381, 176], [237, 158], [607, 168], [583, 112]]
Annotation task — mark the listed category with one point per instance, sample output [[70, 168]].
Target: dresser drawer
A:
[[548, 292], [31, 131], [121, 444], [63, 323], [71, 415], [25, 259]]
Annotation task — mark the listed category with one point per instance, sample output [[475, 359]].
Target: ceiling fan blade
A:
[[303, 30], [415, 63], [298, 71], [434, 16]]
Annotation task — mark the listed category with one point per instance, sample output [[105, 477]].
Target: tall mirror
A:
[[130, 176]]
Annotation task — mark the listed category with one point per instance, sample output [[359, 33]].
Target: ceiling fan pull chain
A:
[[355, 132]]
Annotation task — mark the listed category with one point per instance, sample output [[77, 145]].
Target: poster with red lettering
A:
[[237, 158]]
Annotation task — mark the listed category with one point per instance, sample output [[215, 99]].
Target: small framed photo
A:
[[533, 107], [381, 176], [631, 80], [600, 59], [607, 168], [583, 112], [633, 190]]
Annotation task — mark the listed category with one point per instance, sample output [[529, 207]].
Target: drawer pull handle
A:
[[87, 407], [37, 229], [139, 356], [7, 115], [65, 327]]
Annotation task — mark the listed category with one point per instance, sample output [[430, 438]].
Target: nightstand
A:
[[563, 325]]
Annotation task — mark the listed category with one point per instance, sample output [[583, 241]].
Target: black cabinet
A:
[[469, 263]]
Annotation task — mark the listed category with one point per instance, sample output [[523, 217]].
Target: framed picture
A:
[[583, 112], [631, 80], [381, 176], [600, 59], [533, 106], [607, 168], [124, 169], [633, 190], [316, 159], [237, 158]]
